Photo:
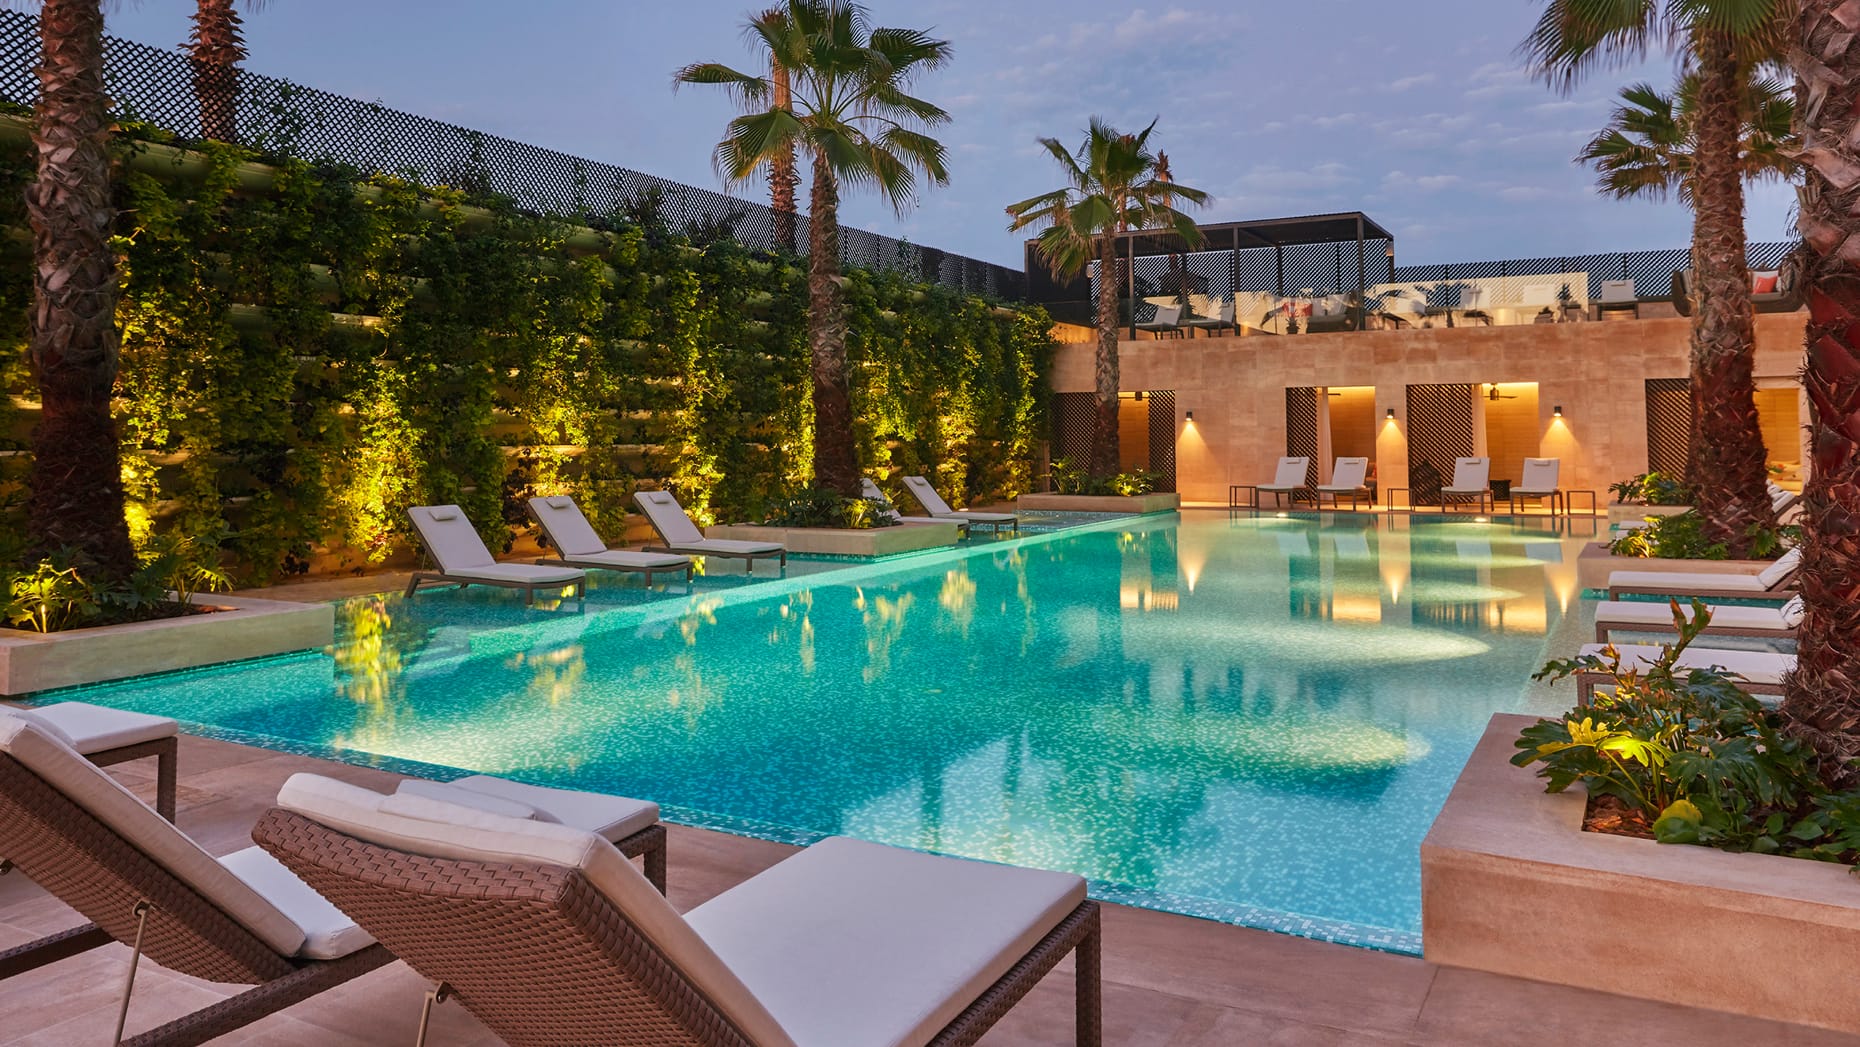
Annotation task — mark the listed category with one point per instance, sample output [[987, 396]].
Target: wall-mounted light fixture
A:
[[1391, 414], [1188, 416], [1558, 413]]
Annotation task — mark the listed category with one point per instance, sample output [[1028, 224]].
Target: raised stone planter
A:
[[1619, 513], [1511, 884], [834, 541], [1596, 563], [1141, 504], [246, 627]]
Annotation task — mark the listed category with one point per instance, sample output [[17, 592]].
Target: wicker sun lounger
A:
[[939, 509], [677, 534], [1771, 583], [244, 919], [1767, 623], [578, 545], [1758, 672], [548, 937], [107, 737], [453, 543]]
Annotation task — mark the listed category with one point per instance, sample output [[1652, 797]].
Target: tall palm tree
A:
[[1114, 184], [1823, 699], [851, 113], [1721, 41], [1646, 149], [784, 176], [76, 478], [214, 49]]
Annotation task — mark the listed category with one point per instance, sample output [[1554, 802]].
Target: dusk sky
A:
[[1421, 116]]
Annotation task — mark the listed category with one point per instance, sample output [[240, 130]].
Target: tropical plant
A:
[[185, 564], [1681, 536], [215, 48], [76, 478], [1646, 149], [1823, 701], [851, 112], [1070, 479], [51, 596], [1721, 42], [1653, 488], [817, 507], [1114, 184]]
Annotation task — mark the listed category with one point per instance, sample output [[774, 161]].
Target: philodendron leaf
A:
[[1679, 823]]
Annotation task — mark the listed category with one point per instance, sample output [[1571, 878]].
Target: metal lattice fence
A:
[[1440, 429], [1669, 425], [1074, 417], [278, 117], [1162, 437], [1301, 431], [1651, 271]]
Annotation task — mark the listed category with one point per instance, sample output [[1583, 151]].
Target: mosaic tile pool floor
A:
[[1248, 718]]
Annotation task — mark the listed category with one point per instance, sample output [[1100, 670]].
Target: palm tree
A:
[[1721, 41], [852, 114], [76, 478], [1646, 149], [1823, 699], [1113, 184], [784, 177], [215, 49]]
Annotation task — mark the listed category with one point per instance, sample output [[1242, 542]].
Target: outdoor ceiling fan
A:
[[1495, 396]]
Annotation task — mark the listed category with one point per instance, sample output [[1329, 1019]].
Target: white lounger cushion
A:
[[96, 792], [1470, 476], [1761, 667], [850, 942], [328, 934], [451, 538], [93, 728], [628, 559], [1541, 477], [420, 825], [1349, 475], [1723, 616], [1763, 581], [978, 517], [567, 528], [926, 495], [613, 818], [668, 517], [520, 572], [1290, 475], [732, 547]]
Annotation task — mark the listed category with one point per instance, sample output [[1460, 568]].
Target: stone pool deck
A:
[[1168, 979]]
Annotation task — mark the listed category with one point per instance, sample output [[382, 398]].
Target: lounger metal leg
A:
[[437, 994], [135, 958]]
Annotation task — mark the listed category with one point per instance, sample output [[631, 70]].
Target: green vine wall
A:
[[303, 361]]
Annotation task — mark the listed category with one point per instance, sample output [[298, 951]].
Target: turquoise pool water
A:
[[1252, 719]]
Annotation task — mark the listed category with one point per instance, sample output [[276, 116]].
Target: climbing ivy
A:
[[307, 351]]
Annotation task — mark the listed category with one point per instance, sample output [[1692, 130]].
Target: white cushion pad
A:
[[136, 822], [485, 802], [1682, 581], [1785, 565], [668, 517], [1764, 667], [570, 531], [628, 560], [328, 934], [854, 943], [612, 817], [1625, 612], [983, 517], [93, 728], [731, 547], [521, 572]]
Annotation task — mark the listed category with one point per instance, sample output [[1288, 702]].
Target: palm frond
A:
[[745, 89]]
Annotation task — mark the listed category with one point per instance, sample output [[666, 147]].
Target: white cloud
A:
[[1408, 83]]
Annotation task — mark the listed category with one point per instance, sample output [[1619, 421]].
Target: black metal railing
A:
[[278, 117]]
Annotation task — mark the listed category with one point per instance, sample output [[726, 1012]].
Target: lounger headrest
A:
[[419, 824], [42, 724], [560, 501], [443, 513], [659, 497], [1785, 565], [452, 794], [1793, 612]]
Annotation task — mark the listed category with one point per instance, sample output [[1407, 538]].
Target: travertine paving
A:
[[1168, 979]]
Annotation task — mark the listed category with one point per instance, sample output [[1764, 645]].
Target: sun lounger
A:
[[577, 545], [453, 543], [107, 737], [1167, 320], [1541, 479], [1771, 583], [1471, 481], [874, 493], [1292, 476], [243, 918], [547, 935], [1759, 672], [1349, 477], [934, 504], [632, 826], [677, 534], [1774, 623]]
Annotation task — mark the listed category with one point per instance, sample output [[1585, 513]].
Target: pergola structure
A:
[[1312, 254]]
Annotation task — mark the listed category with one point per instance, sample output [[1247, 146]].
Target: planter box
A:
[[1596, 563], [1141, 504], [834, 541], [1511, 884], [1618, 513], [245, 628]]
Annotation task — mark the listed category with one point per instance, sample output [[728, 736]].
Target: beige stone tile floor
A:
[[1168, 979]]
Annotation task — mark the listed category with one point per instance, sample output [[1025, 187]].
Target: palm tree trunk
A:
[[784, 179], [76, 479], [1732, 468], [1823, 700], [215, 51], [836, 460], [1104, 449]]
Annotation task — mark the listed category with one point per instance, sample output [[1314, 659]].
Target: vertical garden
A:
[[306, 351]]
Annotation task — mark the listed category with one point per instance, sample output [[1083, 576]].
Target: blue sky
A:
[[1420, 116]]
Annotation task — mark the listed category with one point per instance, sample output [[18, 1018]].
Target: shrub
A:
[[59, 592], [817, 507], [1068, 479], [1682, 537], [1653, 489]]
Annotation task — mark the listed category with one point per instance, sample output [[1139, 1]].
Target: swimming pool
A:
[[1248, 718]]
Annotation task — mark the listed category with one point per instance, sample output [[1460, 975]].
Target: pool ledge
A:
[[247, 627], [1511, 884]]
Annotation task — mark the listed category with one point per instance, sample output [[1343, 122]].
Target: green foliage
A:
[[1653, 489], [299, 366], [1071, 479], [818, 507], [186, 564], [1682, 537], [57, 593], [1706, 762]]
